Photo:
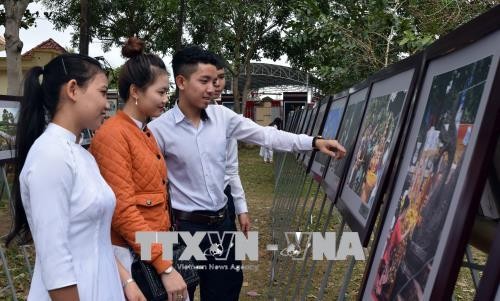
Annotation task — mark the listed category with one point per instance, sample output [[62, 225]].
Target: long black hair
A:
[[39, 103]]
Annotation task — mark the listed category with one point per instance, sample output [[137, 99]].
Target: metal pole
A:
[[474, 273], [347, 279], [27, 259], [279, 270], [291, 274], [330, 265], [313, 267], [7, 273]]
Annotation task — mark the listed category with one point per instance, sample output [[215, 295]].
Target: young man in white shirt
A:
[[236, 202], [193, 137]]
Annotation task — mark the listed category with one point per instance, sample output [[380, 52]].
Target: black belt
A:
[[203, 217]]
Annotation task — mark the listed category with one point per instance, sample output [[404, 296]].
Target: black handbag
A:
[[148, 279]]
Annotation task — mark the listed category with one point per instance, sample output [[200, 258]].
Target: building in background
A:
[[39, 55]]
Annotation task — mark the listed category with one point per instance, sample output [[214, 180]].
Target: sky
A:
[[45, 30]]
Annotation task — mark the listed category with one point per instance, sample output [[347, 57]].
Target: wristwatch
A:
[[127, 282], [314, 141], [168, 270]]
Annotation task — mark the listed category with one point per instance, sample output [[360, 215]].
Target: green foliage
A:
[[28, 20], [339, 42], [112, 21], [343, 42]]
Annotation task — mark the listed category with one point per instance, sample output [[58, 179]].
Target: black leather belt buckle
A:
[[216, 219]]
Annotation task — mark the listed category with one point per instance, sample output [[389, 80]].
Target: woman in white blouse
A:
[[60, 197]]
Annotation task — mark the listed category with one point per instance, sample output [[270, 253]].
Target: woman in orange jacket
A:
[[131, 162]]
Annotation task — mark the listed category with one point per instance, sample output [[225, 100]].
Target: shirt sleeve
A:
[[49, 183], [233, 178], [246, 130], [109, 148]]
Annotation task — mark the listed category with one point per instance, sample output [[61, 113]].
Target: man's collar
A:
[[179, 116]]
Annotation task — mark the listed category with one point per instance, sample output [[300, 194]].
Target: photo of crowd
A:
[[437, 156], [372, 149], [348, 131]]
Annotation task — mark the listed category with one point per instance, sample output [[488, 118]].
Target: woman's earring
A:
[[136, 101]]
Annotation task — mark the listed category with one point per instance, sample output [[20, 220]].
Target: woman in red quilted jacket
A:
[[131, 162]]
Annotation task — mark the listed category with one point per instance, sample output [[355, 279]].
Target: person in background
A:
[[61, 200], [131, 162], [236, 201], [265, 152]]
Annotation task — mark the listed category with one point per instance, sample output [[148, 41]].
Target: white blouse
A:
[[69, 208]]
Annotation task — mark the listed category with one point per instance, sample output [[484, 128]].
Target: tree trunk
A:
[[181, 18], [14, 11], [236, 93], [246, 87], [84, 27]]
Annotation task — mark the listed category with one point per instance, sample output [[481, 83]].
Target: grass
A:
[[258, 182]]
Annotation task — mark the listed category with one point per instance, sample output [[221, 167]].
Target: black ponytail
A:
[[38, 105], [32, 119]]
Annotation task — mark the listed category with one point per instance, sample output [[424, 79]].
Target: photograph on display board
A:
[[307, 116], [289, 120], [373, 152], [377, 132], [9, 114], [347, 137], [308, 126], [432, 175], [314, 127], [308, 113], [317, 131], [300, 120], [113, 107], [292, 126], [330, 130], [319, 119]]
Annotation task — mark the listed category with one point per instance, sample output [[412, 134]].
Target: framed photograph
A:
[[307, 118], [9, 114], [298, 123], [308, 127], [347, 137], [317, 129], [113, 107], [289, 120], [360, 195], [443, 168], [292, 121], [330, 130], [86, 138]]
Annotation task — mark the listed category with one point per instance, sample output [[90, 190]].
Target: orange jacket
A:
[[132, 164]]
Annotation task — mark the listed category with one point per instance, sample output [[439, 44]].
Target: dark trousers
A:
[[230, 204], [219, 279]]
